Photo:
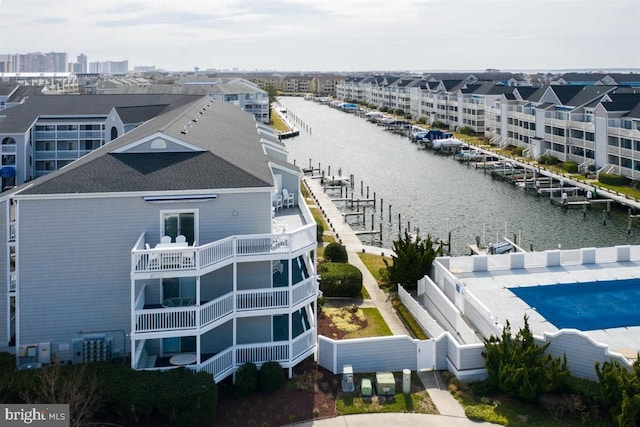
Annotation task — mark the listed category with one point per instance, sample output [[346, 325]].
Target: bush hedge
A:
[[466, 130], [340, 280], [271, 377], [335, 252], [548, 160], [246, 379], [613, 179], [115, 392], [571, 167]]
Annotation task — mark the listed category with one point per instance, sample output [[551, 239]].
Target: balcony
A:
[[192, 260], [626, 133], [212, 313], [12, 281], [224, 363], [12, 231]]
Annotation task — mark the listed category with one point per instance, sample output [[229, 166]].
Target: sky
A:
[[331, 35]]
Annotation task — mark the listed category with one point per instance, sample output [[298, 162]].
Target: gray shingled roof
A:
[[19, 118], [232, 157]]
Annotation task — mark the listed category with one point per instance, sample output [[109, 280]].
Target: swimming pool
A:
[[586, 306]]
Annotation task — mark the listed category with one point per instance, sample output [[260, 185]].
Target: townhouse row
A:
[[591, 119]]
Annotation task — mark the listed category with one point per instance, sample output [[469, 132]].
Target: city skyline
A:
[[351, 35]]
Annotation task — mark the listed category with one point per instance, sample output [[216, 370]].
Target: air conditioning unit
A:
[[44, 353]]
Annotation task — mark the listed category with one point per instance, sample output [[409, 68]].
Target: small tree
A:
[[620, 390], [335, 252], [412, 260], [521, 368]]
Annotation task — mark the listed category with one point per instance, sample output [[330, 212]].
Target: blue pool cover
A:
[[586, 306]]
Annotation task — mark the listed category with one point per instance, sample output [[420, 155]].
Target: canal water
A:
[[436, 194]]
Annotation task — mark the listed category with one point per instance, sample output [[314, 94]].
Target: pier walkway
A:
[[568, 181]]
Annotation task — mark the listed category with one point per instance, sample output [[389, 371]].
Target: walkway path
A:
[[451, 412]]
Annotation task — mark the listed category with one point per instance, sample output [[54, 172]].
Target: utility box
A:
[[347, 378], [385, 384], [406, 381], [366, 389]]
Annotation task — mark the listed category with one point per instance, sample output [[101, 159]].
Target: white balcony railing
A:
[[221, 365], [179, 318], [207, 256], [275, 297]]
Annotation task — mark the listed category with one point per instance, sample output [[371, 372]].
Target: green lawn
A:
[[374, 263], [417, 401], [376, 326], [277, 123]]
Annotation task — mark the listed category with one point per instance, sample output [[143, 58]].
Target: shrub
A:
[[438, 124], [548, 160], [613, 179], [422, 120], [335, 252], [340, 280], [246, 379], [319, 232], [620, 390], [271, 377], [521, 368], [519, 151], [383, 109], [571, 167], [399, 112], [466, 130]]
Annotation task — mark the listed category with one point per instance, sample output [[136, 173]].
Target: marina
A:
[[435, 195]]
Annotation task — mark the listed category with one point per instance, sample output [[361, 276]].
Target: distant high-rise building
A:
[[109, 67], [35, 62], [81, 64]]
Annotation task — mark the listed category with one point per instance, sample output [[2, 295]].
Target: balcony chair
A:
[[287, 198], [165, 239], [277, 202], [181, 239]]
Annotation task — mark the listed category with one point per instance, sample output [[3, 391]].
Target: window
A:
[[8, 160], [177, 223]]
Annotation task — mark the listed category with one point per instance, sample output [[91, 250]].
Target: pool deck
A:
[[492, 289]]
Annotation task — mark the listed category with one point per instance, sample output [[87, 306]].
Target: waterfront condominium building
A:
[[164, 246], [48, 132], [592, 119]]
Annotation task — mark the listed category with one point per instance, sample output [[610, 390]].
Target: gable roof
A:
[[231, 156], [18, 119]]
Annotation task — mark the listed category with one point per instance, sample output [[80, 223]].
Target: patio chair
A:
[[165, 239], [287, 198], [277, 202], [181, 239]]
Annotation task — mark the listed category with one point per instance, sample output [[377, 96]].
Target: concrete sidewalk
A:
[[393, 419]]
